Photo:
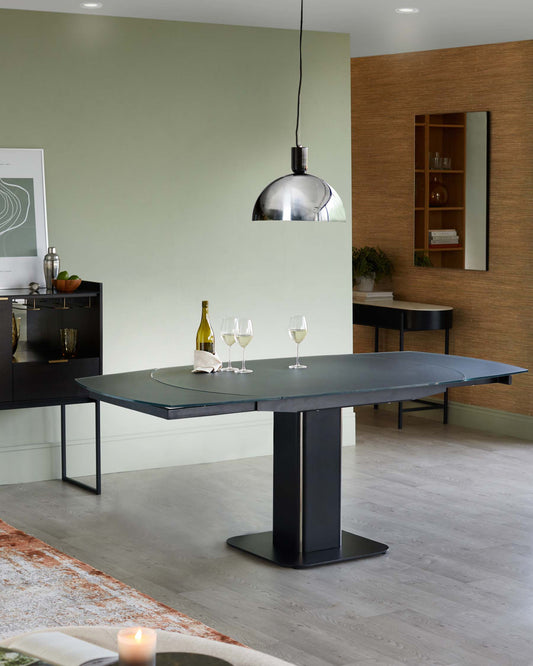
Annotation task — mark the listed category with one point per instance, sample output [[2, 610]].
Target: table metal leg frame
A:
[[376, 347], [97, 489], [307, 496], [428, 404]]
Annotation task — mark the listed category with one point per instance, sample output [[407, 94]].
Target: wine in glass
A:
[[228, 329], [297, 332], [244, 335]]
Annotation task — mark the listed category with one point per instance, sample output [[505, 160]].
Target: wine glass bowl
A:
[[297, 333], [244, 335], [228, 331]]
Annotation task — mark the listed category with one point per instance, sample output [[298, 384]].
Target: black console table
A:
[[37, 375], [307, 406], [406, 316]]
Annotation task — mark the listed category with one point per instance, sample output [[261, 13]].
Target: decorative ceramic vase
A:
[[365, 282], [438, 194], [15, 333]]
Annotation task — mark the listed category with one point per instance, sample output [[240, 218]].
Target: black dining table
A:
[[306, 403]]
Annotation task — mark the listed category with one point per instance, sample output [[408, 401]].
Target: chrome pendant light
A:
[[299, 195]]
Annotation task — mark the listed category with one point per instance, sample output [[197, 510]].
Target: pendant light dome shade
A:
[[299, 196]]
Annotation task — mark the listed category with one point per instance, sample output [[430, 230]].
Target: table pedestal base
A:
[[352, 547], [306, 519]]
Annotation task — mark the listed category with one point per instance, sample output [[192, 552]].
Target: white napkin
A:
[[206, 362]]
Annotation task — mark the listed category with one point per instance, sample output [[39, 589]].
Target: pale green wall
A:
[[158, 136]]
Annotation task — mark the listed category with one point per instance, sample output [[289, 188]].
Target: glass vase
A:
[[438, 194], [15, 332]]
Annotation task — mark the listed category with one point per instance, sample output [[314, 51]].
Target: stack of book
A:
[[53, 648], [369, 296], [442, 238]]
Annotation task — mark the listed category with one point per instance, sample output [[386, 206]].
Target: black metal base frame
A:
[[97, 488], [428, 404], [307, 496]]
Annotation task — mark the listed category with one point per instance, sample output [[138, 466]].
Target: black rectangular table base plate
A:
[[353, 547]]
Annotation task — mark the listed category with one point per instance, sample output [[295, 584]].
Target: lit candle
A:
[[136, 646]]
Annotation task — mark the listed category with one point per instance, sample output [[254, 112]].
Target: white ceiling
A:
[[374, 26]]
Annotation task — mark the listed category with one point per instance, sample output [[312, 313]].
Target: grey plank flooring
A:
[[454, 505]]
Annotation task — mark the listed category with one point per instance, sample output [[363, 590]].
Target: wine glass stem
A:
[[243, 364], [297, 353], [229, 356]]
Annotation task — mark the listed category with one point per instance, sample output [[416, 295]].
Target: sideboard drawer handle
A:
[[59, 360]]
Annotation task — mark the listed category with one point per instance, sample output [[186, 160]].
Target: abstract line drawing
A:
[[23, 233], [15, 202]]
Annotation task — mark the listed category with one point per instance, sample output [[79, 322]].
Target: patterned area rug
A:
[[42, 587]]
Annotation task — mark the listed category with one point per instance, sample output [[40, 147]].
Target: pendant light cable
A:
[[299, 195], [301, 67]]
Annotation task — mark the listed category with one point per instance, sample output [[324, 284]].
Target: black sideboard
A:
[[37, 375]]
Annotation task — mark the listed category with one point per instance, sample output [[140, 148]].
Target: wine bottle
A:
[[205, 338]]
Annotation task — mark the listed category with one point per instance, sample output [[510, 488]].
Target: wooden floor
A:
[[454, 505]]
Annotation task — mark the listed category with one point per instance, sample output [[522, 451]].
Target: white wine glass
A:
[[228, 329], [244, 335], [297, 332]]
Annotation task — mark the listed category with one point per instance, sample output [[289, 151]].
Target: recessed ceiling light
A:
[[407, 10], [91, 5]]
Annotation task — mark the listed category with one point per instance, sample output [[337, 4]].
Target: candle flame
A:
[[138, 635]]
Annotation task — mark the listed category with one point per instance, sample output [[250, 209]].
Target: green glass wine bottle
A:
[[205, 338]]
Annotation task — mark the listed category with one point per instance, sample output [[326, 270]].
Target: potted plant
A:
[[422, 259], [369, 264]]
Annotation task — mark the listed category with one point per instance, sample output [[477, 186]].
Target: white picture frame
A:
[[23, 226]]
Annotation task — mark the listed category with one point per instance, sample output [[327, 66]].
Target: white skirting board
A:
[[187, 442], [495, 421]]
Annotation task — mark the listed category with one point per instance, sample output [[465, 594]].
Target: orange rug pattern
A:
[[42, 587]]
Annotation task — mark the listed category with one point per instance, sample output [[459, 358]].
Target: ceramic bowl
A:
[[66, 286]]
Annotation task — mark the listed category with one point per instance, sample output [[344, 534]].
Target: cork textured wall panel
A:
[[493, 310]]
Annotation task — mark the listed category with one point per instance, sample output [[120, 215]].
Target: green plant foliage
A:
[[370, 260], [422, 259]]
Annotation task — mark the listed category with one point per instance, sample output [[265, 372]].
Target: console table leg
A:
[[446, 351], [400, 405], [97, 489], [376, 348]]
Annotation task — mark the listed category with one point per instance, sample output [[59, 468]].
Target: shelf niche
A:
[[442, 143]]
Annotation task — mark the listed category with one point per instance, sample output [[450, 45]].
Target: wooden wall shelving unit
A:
[[444, 134]]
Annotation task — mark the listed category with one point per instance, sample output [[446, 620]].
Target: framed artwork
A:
[[23, 230]]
